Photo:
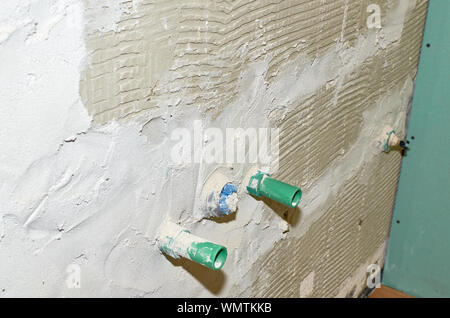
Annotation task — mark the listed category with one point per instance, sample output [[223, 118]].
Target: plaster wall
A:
[[91, 92]]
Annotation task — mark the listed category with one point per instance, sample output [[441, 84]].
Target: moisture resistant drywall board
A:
[[419, 243], [87, 194]]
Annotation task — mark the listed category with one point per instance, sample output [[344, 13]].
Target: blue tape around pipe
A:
[[227, 190]]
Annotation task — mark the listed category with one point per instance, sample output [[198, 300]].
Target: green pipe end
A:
[[261, 184], [296, 197], [208, 254]]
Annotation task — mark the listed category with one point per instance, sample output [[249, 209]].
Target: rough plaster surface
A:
[[92, 93]]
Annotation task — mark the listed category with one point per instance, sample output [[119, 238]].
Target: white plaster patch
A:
[[48, 106], [13, 17], [395, 19], [307, 285], [103, 16]]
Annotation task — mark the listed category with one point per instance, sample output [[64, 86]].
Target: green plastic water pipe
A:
[[261, 184], [177, 242]]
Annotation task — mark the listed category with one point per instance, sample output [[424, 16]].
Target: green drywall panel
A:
[[418, 257]]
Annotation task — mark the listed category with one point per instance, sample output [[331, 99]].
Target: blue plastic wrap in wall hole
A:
[[227, 190]]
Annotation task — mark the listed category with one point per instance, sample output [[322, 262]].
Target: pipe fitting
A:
[[261, 184], [177, 242], [218, 197], [392, 140]]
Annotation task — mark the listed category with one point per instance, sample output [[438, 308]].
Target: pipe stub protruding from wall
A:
[[177, 242], [261, 184]]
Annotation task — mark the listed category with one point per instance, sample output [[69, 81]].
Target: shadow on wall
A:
[[227, 218], [211, 280], [290, 215]]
